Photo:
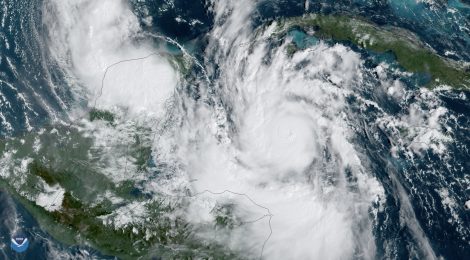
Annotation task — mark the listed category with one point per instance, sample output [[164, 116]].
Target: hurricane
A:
[[235, 129]]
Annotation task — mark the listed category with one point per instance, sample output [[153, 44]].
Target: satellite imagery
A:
[[235, 129]]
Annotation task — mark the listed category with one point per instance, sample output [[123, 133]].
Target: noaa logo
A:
[[19, 243]]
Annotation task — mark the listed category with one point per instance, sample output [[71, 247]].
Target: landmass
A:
[[69, 182], [410, 53]]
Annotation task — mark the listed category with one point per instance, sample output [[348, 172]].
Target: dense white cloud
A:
[[277, 135], [286, 115], [90, 36]]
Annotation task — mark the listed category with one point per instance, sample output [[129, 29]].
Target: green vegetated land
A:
[[409, 51], [98, 114], [64, 157]]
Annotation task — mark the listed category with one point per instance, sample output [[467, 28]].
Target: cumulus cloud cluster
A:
[[91, 38], [273, 144]]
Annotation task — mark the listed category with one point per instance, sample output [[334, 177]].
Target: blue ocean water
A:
[[33, 91], [16, 219], [32, 87]]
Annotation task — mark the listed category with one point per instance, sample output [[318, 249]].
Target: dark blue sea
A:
[[35, 91]]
